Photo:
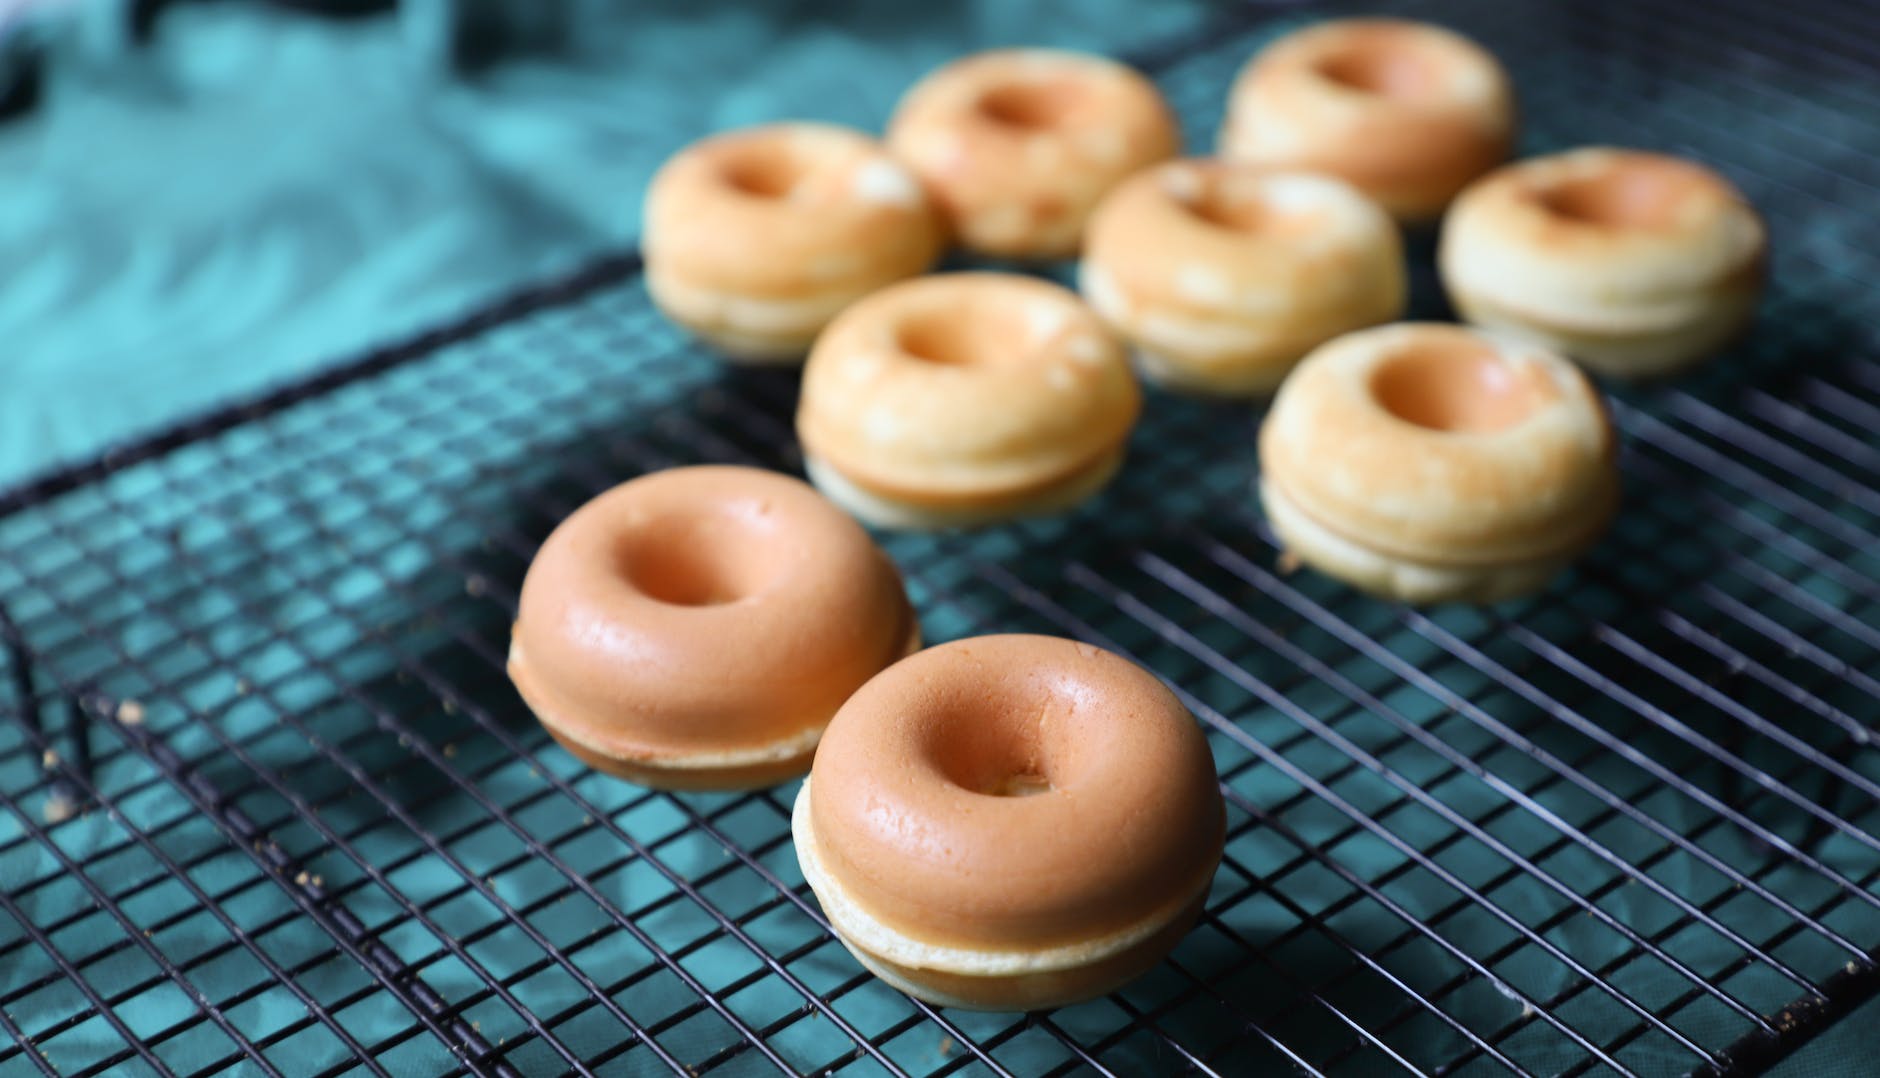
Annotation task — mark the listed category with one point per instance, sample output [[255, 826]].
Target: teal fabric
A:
[[253, 193], [1851, 1049]]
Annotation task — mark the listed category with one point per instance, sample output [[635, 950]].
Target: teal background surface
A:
[[253, 193]]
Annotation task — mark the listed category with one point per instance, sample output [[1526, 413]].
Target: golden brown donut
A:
[[1429, 463], [1010, 823], [697, 627], [965, 398], [1405, 111], [1636, 264], [754, 239], [1018, 145], [1224, 275]]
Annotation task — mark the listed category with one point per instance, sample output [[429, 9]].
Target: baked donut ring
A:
[[754, 239], [1224, 275], [1017, 145], [962, 399], [1430, 463], [1406, 112], [696, 628], [1636, 264], [1010, 823]]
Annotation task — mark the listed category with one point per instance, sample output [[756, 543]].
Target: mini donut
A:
[[1017, 145], [1010, 823], [1431, 463], [963, 399], [1407, 112], [1636, 264], [754, 239], [696, 628], [1224, 275]]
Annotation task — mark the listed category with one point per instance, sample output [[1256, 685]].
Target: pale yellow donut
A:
[[1636, 264], [755, 239], [1406, 112], [1431, 463], [964, 398], [1017, 145], [1224, 275]]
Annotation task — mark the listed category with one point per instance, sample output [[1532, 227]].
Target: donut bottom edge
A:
[[1636, 356], [885, 511], [1179, 375], [1393, 576], [746, 330], [1053, 982], [684, 776], [746, 769], [1039, 991]]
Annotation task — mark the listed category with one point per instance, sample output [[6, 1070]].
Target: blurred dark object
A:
[[31, 29], [22, 66], [337, 8], [466, 35]]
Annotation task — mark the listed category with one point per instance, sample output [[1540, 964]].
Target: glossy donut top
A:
[[1216, 237], [704, 610], [1442, 444], [1018, 144], [964, 385], [786, 210], [1406, 111], [1593, 228], [1015, 792]]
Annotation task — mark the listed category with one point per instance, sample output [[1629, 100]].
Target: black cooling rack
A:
[[270, 804]]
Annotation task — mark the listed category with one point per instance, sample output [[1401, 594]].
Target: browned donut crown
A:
[[1017, 145], [699, 626], [1407, 112], [755, 238], [958, 796]]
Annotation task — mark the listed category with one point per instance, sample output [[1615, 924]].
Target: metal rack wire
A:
[[270, 802]]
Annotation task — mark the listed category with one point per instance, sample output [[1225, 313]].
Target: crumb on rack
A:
[[59, 808], [130, 712]]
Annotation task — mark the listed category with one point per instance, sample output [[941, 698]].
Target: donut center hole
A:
[[1247, 213], [1383, 67], [693, 561], [996, 759], [1456, 387], [1029, 106], [974, 336], [1634, 195], [1020, 785], [766, 172]]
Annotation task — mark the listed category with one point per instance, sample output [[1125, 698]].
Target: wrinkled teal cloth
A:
[[253, 192]]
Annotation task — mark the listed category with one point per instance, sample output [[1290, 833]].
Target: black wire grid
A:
[[270, 802]]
